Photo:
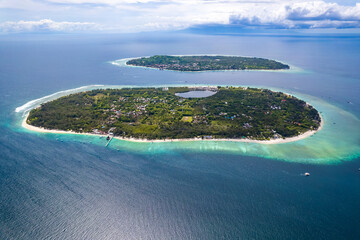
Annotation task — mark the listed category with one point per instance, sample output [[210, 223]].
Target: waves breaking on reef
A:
[[36, 102], [323, 147]]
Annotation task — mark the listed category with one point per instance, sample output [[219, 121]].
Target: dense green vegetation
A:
[[206, 63], [157, 113]]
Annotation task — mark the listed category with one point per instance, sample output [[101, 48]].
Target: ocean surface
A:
[[57, 186]]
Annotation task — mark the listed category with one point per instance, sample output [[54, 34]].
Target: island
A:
[[206, 63], [179, 113]]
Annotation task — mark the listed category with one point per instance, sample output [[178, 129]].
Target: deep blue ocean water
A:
[[60, 187]]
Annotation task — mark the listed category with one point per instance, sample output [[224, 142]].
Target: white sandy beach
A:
[[271, 141], [123, 62]]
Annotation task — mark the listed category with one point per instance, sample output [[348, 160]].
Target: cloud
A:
[[47, 25], [316, 14], [154, 15]]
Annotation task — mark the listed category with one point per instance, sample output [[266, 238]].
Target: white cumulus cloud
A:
[[315, 14], [153, 15], [47, 25]]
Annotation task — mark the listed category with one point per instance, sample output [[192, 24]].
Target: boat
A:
[[307, 174]]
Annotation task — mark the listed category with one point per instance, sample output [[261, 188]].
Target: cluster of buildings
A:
[[247, 126], [199, 119], [274, 107], [176, 66]]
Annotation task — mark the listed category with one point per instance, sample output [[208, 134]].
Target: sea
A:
[[63, 186]]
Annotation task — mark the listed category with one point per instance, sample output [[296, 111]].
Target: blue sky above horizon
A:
[[125, 16]]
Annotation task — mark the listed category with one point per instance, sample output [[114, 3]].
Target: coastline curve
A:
[[318, 147], [271, 141], [123, 63]]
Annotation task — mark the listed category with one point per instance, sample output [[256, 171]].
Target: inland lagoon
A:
[[70, 186], [322, 147], [160, 114]]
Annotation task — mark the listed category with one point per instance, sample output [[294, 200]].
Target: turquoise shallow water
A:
[[335, 142], [57, 186]]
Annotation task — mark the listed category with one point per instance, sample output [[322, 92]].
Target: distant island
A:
[[179, 113], [206, 63]]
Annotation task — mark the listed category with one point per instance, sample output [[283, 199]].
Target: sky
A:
[[125, 16]]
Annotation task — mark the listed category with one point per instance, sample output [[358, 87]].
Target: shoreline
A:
[[124, 61], [271, 141]]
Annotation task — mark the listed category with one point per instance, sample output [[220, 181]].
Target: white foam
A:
[[36, 102]]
